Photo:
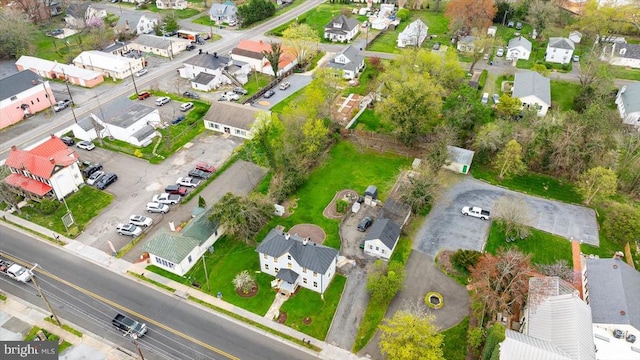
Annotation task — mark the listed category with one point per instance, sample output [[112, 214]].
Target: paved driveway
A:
[[298, 81], [447, 228]]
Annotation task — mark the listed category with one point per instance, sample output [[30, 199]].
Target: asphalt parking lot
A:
[[297, 81], [446, 228]]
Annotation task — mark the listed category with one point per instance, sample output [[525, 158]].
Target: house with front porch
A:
[[223, 70], [342, 29], [49, 170], [230, 118], [382, 238], [349, 62], [23, 95], [224, 13], [518, 48], [297, 261]]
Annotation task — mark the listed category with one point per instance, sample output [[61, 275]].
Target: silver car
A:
[[95, 177], [154, 207], [128, 229], [139, 220]]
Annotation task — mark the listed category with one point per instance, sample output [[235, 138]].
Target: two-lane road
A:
[[87, 295]]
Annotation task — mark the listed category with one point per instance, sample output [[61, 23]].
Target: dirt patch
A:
[[312, 231], [345, 108], [330, 211], [253, 292], [282, 317], [307, 320]]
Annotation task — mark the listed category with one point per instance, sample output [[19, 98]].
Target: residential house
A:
[[382, 238], [125, 120], [22, 95], [178, 252], [342, 29], [224, 13], [252, 53], [49, 170], [518, 48], [134, 23], [349, 62], [81, 14], [113, 66], [467, 44], [230, 118], [628, 101], [222, 70], [171, 4], [296, 261], [611, 288], [53, 70], [384, 18], [622, 54], [159, 45], [459, 159], [413, 35], [146, 24], [534, 90], [559, 50]]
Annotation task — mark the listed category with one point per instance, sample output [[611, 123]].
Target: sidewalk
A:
[[120, 266]]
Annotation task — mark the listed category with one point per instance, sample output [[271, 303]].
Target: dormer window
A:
[[623, 51], [337, 25]]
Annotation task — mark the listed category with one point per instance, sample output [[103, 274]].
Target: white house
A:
[[296, 261], [622, 54], [229, 118], [382, 238], [159, 45], [49, 170], [492, 30], [459, 159], [534, 90], [146, 24], [81, 14], [252, 53], [467, 44], [413, 35], [518, 48], [628, 101], [178, 252], [113, 66], [342, 29], [224, 13], [350, 62], [559, 50], [171, 4], [221, 70], [611, 288]]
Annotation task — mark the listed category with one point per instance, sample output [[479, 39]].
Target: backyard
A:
[[438, 28], [544, 248], [563, 93], [317, 18]]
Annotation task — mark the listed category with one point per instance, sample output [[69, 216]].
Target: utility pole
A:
[[33, 278], [66, 82], [206, 275], [132, 79], [134, 336]]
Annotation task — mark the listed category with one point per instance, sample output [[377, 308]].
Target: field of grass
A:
[[437, 23], [363, 168], [455, 341], [620, 72], [308, 304], [563, 93], [179, 14], [545, 248]]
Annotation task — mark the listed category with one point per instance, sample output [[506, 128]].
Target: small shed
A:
[[460, 159], [491, 31], [372, 191], [575, 36]]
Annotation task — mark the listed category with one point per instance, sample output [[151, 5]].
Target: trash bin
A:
[[490, 63]]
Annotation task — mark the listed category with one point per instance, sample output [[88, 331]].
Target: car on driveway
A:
[[176, 189], [154, 207], [268, 94], [95, 177], [162, 100], [128, 229], [191, 95], [144, 95], [61, 105], [195, 173], [365, 223], [169, 199], [510, 23], [576, 58], [518, 26], [86, 145], [229, 96], [177, 120], [139, 220], [285, 85], [436, 46], [67, 140], [107, 179], [496, 99], [186, 106], [188, 181], [500, 52], [485, 98], [205, 167], [91, 169], [240, 91]]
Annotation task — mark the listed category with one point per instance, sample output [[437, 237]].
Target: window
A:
[[266, 266], [315, 274], [189, 259], [370, 246], [304, 270], [277, 270], [265, 256], [315, 284], [289, 265], [288, 257], [304, 280], [14, 98], [383, 251], [377, 248]]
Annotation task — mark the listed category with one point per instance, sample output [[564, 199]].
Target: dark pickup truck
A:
[[129, 326]]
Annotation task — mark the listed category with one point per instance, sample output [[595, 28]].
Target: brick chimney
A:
[[53, 136], [14, 148], [52, 160]]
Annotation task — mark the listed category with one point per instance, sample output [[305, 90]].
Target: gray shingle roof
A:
[[312, 256], [78, 9], [247, 53], [203, 78], [132, 114], [386, 231], [354, 56], [225, 9], [531, 83], [520, 41], [395, 210], [345, 24], [460, 155], [208, 61], [156, 42], [115, 46], [632, 51], [613, 289], [236, 115], [561, 43], [631, 97], [86, 123], [17, 83], [287, 275], [144, 132]]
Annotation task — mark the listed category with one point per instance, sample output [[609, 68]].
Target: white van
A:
[[485, 98]]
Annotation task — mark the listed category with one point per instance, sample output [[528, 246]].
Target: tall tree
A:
[[622, 223], [385, 280], [301, 38], [411, 335], [242, 217], [597, 182], [470, 14], [481, 44], [509, 160], [501, 282], [628, 169], [462, 110], [559, 268], [601, 21], [273, 57], [490, 138], [15, 30], [509, 107], [541, 13], [420, 191]]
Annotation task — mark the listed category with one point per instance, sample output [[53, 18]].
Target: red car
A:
[[176, 189], [205, 167], [143, 95]]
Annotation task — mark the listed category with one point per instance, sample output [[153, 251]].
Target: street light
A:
[[33, 278]]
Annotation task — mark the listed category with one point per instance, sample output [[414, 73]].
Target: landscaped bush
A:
[[341, 206], [48, 206], [255, 10], [494, 337], [621, 223], [483, 79], [465, 259]]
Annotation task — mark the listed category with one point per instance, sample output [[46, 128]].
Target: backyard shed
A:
[[460, 159], [371, 191]]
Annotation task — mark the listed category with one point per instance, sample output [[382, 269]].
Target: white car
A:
[[140, 220], [186, 106], [231, 96], [86, 145], [162, 100], [93, 179], [164, 198], [500, 52], [141, 72], [154, 207], [285, 85], [128, 229], [188, 181], [485, 98]]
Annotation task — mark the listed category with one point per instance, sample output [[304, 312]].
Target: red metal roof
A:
[[28, 184], [286, 58], [38, 161]]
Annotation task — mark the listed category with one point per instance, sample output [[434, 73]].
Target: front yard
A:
[[563, 93], [545, 248], [438, 27]]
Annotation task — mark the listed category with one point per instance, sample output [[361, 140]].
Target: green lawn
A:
[[256, 82], [368, 75], [437, 23], [308, 304], [279, 107], [180, 14], [363, 168], [455, 341], [54, 49], [85, 204], [563, 93], [546, 248], [620, 72], [317, 18]]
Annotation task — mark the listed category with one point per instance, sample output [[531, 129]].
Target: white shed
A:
[[460, 159]]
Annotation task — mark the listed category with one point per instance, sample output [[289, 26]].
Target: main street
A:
[[88, 296]]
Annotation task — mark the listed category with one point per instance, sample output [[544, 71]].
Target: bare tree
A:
[[244, 282], [512, 214]]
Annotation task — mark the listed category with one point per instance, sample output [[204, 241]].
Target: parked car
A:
[[190, 47], [195, 173], [162, 100], [154, 207], [518, 26], [191, 95], [205, 167], [128, 229], [231, 96], [188, 181], [576, 58], [364, 224], [510, 23], [176, 189], [91, 169], [107, 179], [164, 198], [240, 91], [500, 52], [476, 212], [55, 32], [67, 140], [95, 177], [268, 94], [436, 46], [61, 105], [86, 145], [178, 120], [144, 95], [142, 72], [285, 85], [485, 98], [496, 99], [186, 106], [139, 220]]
